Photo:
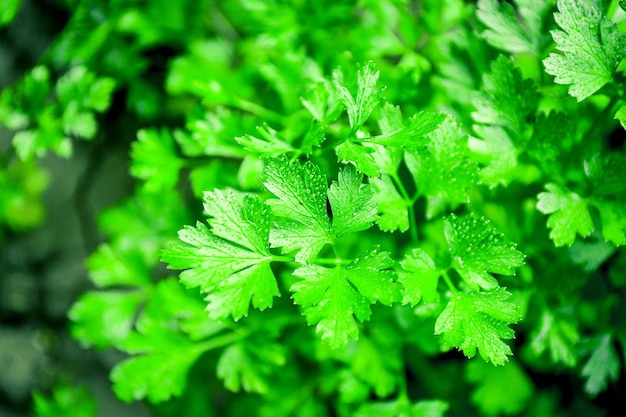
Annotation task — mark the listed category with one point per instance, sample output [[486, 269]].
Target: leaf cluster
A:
[[359, 189]]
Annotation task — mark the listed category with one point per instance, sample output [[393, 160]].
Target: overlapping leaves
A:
[[230, 262]]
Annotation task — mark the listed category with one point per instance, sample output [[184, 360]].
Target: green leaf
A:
[[322, 102], [500, 152], [569, 214], [367, 96], [591, 48], [413, 136], [606, 174], [419, 278], [104, 318], [620, 115], [164, 353], [212, 134], [25, 144], [549, 138], [394, 214], [248, 366], [558, 335], [158, 374], [443, 170], [231, 262], [402, 408], [376, 361], [503, 390], [66, 399], [301, 197], [80, 87], [8, 10], [100, 94], [313, 138], [154, 159], [335, 298], [78, 122], [361, 156], [109, 266], [478, 321], [300, 190], [270, 143], [351, 201], [478, 251], [508, 99], [139, 228], [613, 216], [504, 30], [603, 365]]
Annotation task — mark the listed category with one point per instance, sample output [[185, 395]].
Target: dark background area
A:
[[42, 272]]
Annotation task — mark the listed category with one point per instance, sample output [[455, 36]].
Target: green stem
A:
[[601, 118], [449, 283], [403, 394], [257, 110], [319, 261], [285, 259], [223, 340], [409, 203]]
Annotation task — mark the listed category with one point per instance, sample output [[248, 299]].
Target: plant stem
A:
[[279, 258], [223, 340], [449, 283], [257, 110], [409, 203]]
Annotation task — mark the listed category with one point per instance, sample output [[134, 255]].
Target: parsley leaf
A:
[[231, 262], [367, 96], [494, 397], [164, 354], [376, 361], [361, 156], [549, 139], [301, 197], [334, 298], [413, 136], [302, 193], [507, 99], [247, 365], [269, 144], [351, 202], [393, 208], [478, 251], [569, 214], [443, 171], [500, 153], [8, 11], [104, 318], [591, 48], [505, 31], [160, 371], [557, 334], [154, 159], [605, 173], [603, 365], [402, 407], [66, 399], [419, 278], [478, 321]]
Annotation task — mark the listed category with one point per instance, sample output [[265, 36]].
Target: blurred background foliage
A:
[[117, 115]]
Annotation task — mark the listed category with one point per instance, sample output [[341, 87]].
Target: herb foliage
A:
[[359, 190]]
